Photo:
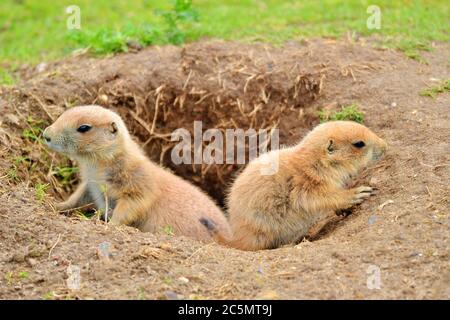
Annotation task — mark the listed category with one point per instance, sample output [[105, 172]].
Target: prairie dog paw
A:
[[361, 194], [343, 212], [61, 206]]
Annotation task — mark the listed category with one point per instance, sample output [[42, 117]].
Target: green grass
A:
[[39, 191], [172, 30], [35, 30], [65, 175], [9, 277], [34, 130], [5, 77], [49, 295], [349, 113], [434, 91], [168, 230]]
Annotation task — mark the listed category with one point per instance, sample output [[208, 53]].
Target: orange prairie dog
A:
[[267, 211], [116, 174]]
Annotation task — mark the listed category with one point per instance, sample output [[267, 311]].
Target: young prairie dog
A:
[[116, 174], [267, 211]]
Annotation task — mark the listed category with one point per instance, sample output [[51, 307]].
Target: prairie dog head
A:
[[86, 131], [344, 147]]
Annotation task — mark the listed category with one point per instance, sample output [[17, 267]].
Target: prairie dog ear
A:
[[113, 128], [330, 147]]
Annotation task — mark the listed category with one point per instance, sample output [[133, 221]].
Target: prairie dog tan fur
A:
[[116, 174], [267, 211]]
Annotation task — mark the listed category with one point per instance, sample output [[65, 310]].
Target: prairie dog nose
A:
[[46, 135]]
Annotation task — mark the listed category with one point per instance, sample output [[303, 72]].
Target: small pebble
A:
[[170, 295], [103, 98], [41, 67], [31, 262], [12, 118], [103, 251]]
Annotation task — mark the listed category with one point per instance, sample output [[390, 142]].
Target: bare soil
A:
[[404, 230]]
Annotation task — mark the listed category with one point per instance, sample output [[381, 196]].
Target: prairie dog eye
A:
[[84, 128], [359, 144]]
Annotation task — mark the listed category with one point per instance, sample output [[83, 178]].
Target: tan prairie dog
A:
[[267, 211], [116, 174]]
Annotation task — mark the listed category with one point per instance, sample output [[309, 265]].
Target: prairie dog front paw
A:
[[62, 206], [360, 194]]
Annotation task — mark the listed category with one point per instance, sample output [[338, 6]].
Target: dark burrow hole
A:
[[216, 179]]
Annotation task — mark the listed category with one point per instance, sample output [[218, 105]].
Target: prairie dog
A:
[[116, 174], [267, 211]]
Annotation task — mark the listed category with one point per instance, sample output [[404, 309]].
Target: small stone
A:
[[41, 67], [393, 104], [183, 279], [103, 251], [31, 262], [103, 98], [12, 118], [170, 295], [415, 254], [134, 45]]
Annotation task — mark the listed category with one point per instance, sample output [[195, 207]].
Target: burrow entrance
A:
[[159, 90]]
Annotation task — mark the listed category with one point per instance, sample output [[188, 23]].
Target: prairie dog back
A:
[[116, 174]]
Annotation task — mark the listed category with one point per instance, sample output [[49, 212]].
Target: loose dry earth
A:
[[404, 230]]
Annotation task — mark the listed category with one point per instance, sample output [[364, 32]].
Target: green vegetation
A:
[[40, 189], [167, 280], [9, 277], [106, 40], [49, 295], [5, 77], [350, 113], [142, 295], [65, 174], [12, 174], [34, 130], [433, 91], [35, 30], [168, 230]]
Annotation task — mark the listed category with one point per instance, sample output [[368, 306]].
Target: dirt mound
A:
[[160, 90], [402, 233]]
